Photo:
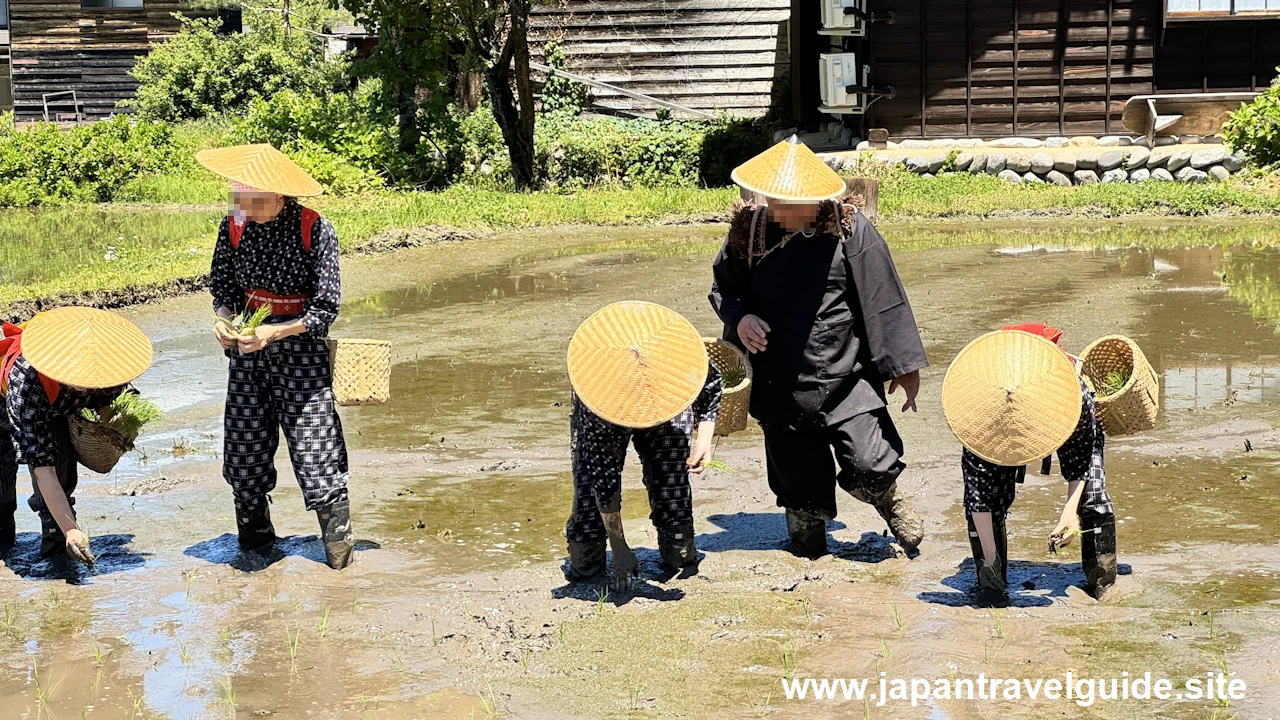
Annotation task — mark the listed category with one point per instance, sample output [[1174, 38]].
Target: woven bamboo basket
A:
[[361, 371], [1135, 406], [97, 446], [735, 402]]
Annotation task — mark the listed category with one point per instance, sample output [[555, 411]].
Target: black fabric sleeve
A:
[[226, 289], [730, 289], [322, 307], [892, 335], [706, 408]]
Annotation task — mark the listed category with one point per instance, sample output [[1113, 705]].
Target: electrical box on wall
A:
[[836, 72], [844, 17]]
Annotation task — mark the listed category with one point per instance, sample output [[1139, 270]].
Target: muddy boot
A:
[[586, 560], [1098, 554], [52, 542], [993, 581], [675, 546], [807, 532], [335, 531], [904, 523], [254, 526], [8, 528]]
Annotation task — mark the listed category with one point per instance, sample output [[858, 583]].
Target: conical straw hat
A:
[[1011, 397], [637, 364], [789, 171], [262, 167], [85, 347]]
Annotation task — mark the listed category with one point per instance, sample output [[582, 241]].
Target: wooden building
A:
[[961, 68], [83, 46]]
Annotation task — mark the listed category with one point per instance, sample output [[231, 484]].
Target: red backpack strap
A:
[[234, 231], [309, 218]]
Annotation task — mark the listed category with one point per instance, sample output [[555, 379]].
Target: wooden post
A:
[[864, 194]]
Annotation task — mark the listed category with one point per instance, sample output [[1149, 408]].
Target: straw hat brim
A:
[[86, 347], [1011, 397], [637, 364], [262, 167], [789, 171]]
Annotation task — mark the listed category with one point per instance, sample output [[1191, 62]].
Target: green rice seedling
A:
[[184, 657], [246, 323], [127, 414], [52, 600], [291, 641], [560, 630], [524, 657], [1212, 632], [488, 704], [393, 657], [732, 378], [1113, 383], [806, 605], [897, 618], [323, 629], [885, 653], [99, 657], [637, 697], [787, 657], [224, 634], [9, 618], [999, 628], [602, 597], [435, 639], [227, 691], [718, 466], [44, 691], [990, 649]]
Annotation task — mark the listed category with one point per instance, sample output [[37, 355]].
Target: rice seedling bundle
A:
[[127, 415]]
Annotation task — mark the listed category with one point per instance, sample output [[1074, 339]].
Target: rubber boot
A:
[[586, 560], [1098, 554], [993, 577], [807, 532], [676, 547], [254, 527], [335, 531], [52, 542], [903, 521], [8, 528]]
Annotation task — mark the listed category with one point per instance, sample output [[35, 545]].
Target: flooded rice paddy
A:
[[456, 607]]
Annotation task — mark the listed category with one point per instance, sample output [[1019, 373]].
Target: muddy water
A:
[[460, 486]]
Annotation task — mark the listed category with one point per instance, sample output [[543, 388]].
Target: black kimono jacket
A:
[[840, 324]]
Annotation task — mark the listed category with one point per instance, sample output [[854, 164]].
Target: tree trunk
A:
[[407, 116], [509, 121]]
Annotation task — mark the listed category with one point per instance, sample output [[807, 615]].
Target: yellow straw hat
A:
[[789, 171], [1011, 397], [85, 347], [637, 364], [262, 167]]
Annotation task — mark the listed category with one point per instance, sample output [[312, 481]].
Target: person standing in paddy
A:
[[271, 251]]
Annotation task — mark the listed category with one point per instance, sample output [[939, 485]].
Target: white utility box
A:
[[835, 72], [836, 22]]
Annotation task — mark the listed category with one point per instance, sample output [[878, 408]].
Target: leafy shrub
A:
[[561, 96], [1254, 129], [199, 72], [89, 163]]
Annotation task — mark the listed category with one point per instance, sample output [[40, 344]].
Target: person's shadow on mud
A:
[[225, 550], [1031, 584], [112, 554], [768, 531]]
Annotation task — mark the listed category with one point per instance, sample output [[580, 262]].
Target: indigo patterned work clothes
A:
[[989, 487], [287, 385], [599, 449], [33, 430]]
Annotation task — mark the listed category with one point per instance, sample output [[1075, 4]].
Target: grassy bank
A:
[[114, 255]]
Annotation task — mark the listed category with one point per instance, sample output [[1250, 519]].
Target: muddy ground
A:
[[457, 608]]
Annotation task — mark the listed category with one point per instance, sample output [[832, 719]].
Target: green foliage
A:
[[728, 143], [1113, 383], [559, 95], [199, 73], [87, 163], [129, 413], [1254, 129]]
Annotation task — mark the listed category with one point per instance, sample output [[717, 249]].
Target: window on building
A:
[[110, 4], [4, 14], [1222, 7]]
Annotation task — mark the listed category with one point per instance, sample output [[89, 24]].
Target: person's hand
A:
[[227, 337], [752, 330], [1068, 528], [261, 338], [701, 452], [625, 568], [78, 546], [910, 384]]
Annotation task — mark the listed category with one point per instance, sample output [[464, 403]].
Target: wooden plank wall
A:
[[728, 55], [57, 45], [1226, 56], [991, 68]]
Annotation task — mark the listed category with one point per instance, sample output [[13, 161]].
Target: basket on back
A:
[[1132, 407], [735, 403], [361, 371], [97, 446]]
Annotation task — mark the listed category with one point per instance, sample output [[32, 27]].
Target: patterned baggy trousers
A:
[[285, 386]]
